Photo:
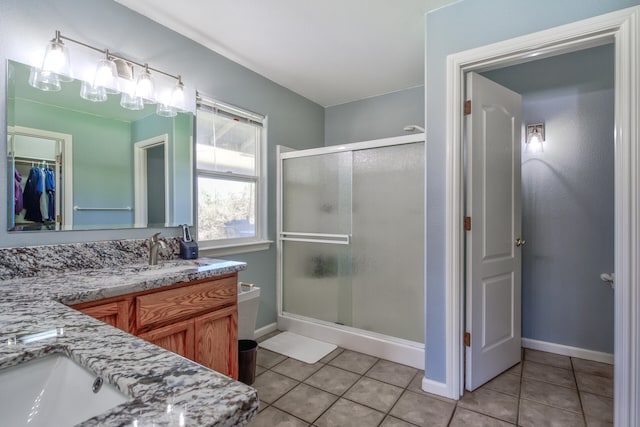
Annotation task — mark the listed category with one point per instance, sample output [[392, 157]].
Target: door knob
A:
[[520, 242]]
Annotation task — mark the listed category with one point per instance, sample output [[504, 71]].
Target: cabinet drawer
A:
[[173, 304]]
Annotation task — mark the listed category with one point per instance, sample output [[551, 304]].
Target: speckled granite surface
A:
[[33, 261], [150, 375]]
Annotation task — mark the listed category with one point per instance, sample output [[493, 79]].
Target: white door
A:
[[493, 274]]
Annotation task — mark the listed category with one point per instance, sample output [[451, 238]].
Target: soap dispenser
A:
[[188, 246]]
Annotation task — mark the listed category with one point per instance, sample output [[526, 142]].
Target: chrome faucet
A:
[[155, 242]]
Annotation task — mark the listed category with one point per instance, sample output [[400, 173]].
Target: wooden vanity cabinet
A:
[[197, 320], [177, 337], [115, 312], [216, 343]]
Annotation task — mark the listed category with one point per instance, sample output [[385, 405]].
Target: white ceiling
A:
[[329, 51]]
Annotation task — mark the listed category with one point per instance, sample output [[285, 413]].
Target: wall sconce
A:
[[113, 75], [535, 138]]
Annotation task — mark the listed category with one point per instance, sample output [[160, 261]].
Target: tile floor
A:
[[353, 389]]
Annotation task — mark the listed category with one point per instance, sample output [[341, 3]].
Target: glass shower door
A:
[[316, 236]]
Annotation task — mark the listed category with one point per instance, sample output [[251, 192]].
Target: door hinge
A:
[[59, 219], [467, 223], [58, 158], [467, 339], [467, 108]]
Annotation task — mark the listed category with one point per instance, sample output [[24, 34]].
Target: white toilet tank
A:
[[248, 303]]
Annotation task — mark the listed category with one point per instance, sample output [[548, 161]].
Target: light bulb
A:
[[56, 59], [177, 96], [107, 75], [145, 88], [534, 143]]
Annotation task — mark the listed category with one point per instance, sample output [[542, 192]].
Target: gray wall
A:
[[376, 117], [458, 27], [26, 26], [567, 197]]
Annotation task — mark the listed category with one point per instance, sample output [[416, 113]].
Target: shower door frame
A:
[[391, 348]]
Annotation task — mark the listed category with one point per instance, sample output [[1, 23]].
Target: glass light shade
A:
[[534, 145], [44, 80], [131, 102], [535, 138], [56, 60], [107, 76], [165, 110], [177, 96], [93, 93], [145, 88]]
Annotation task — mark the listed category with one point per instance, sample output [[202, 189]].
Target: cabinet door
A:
[[217, 340], [113, 313], [177, 337]]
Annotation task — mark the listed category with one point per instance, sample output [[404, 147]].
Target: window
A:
[[229, 181]]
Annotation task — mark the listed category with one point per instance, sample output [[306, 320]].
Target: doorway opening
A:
[[567, 187], [51, 153], [621, 29], [151, 182]]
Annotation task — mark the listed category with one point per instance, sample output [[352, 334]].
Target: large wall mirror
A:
[[74, 164]]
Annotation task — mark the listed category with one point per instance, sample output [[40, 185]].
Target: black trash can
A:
[[247, 353]]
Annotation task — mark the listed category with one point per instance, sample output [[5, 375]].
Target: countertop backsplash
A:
[[34, 261]]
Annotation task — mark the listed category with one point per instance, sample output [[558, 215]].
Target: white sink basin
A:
[[52, 391]]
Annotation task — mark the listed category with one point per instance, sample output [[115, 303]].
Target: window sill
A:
[[238, 248]]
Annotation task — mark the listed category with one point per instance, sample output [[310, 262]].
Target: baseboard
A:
[[356, 340], [565, 350], [435, 387], [265, 330]]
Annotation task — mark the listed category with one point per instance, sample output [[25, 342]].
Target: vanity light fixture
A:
[[113, 74], [128, 98], [535, 138], [93, 93], [130, 102], [145, 87], [56, 59], [106, 75], [169, 107], [44, 80]]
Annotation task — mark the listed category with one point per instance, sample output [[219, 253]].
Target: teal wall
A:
[[455, 28], [102, 159]]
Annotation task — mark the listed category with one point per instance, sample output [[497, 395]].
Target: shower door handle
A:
[[336, 239]]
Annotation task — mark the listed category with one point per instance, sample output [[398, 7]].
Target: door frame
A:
[[622, 29], [66, 146], [140, 179]]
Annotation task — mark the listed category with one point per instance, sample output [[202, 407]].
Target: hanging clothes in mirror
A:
[[17, 192], [50, 188], [32, 194]]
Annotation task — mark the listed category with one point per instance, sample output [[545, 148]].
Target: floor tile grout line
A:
[[575, 379], [520, 388], [405, 389]]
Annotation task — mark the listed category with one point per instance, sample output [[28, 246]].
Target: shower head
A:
[[412, 128]]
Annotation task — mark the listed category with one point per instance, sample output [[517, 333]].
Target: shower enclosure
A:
[[351, 246]]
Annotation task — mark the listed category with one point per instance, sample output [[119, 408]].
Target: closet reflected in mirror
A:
[[37, 164], [80, 165]]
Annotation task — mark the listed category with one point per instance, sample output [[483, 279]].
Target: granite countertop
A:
[[151, 376]]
